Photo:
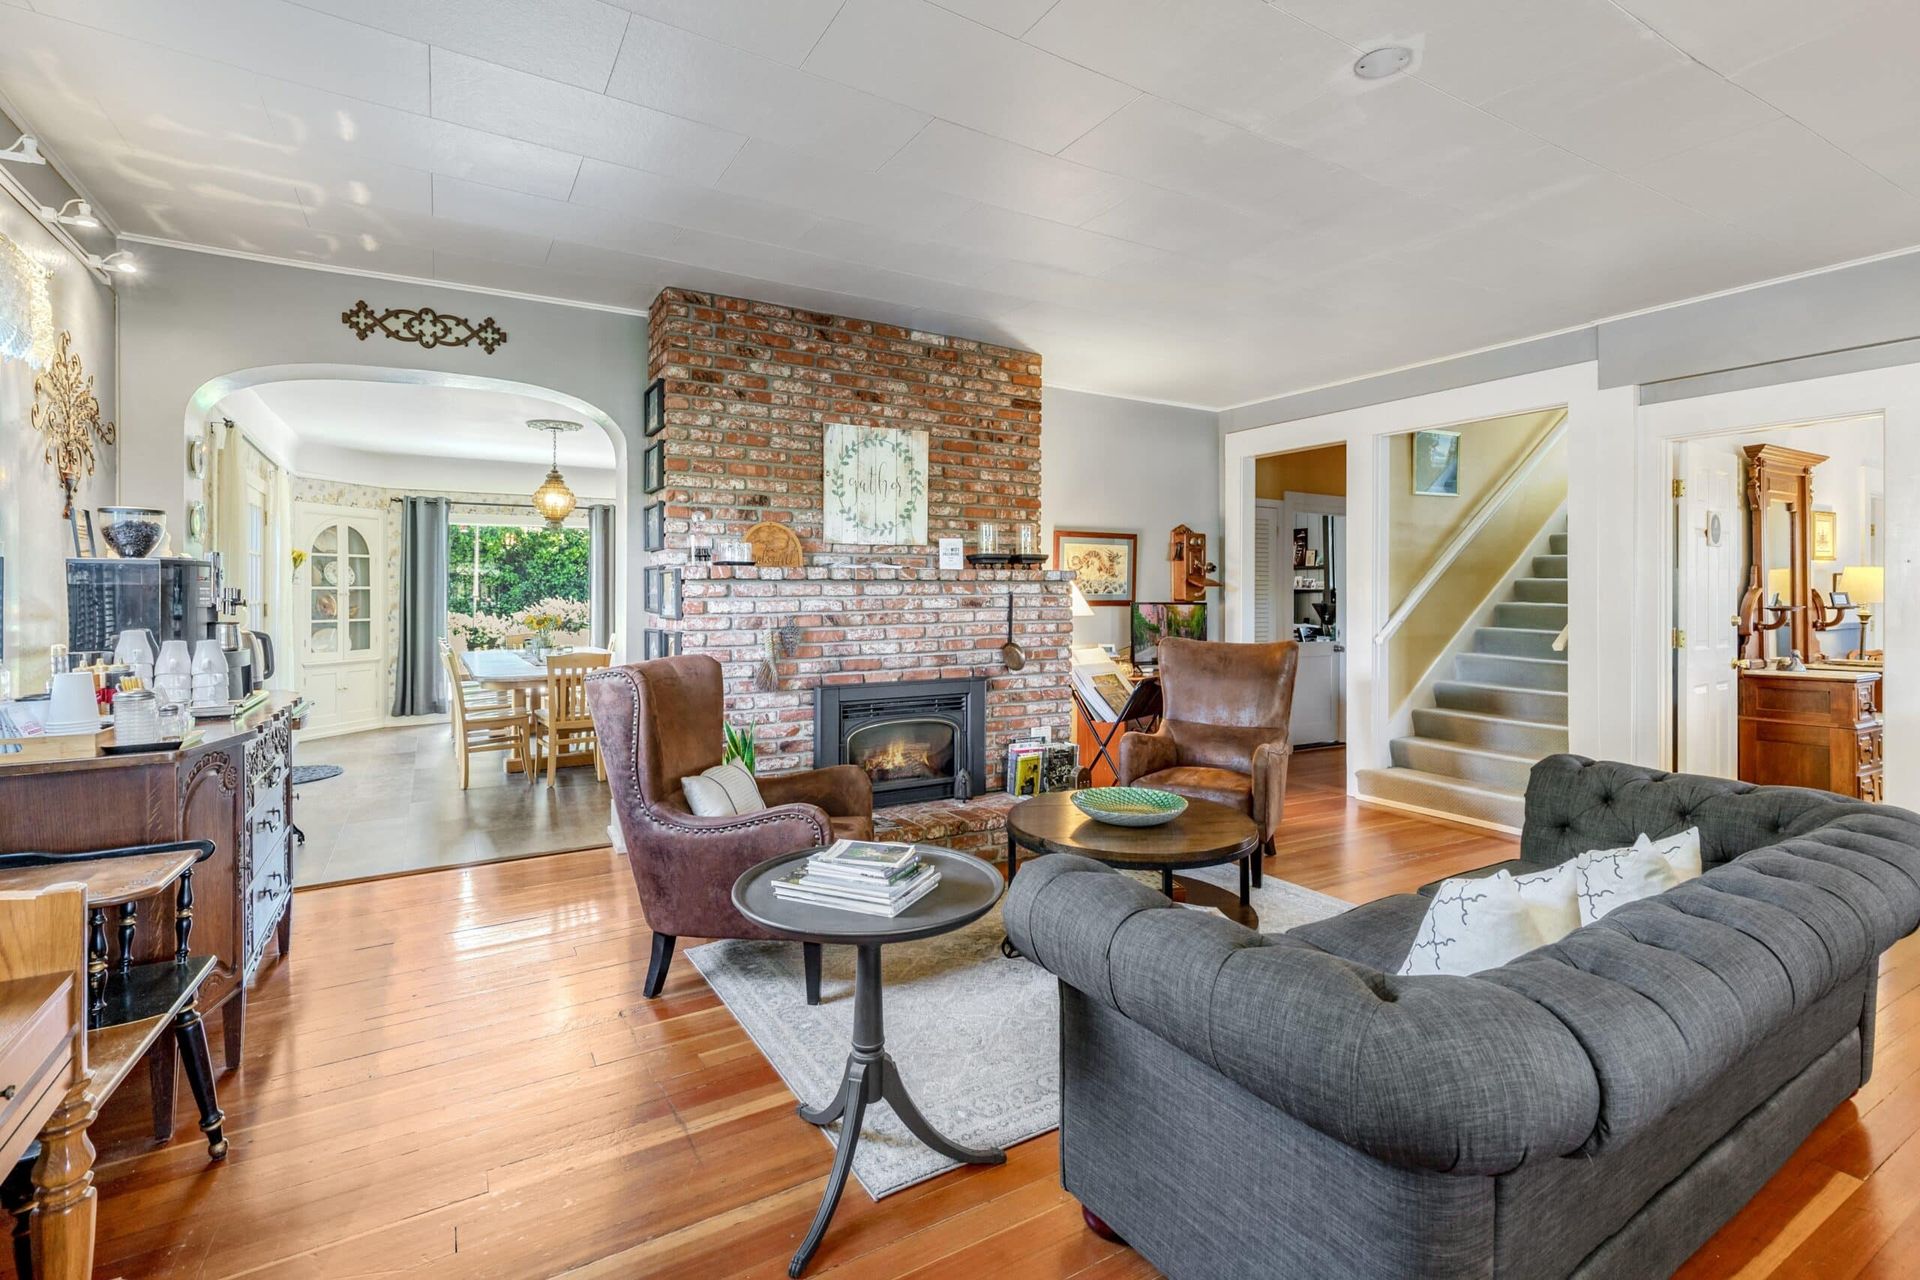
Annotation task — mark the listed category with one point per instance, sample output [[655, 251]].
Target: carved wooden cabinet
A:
[[1814, 728], [234, 789]]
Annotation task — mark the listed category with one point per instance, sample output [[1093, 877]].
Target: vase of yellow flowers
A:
[[542, 625]]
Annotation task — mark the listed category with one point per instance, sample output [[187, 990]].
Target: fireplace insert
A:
[[918, 740]]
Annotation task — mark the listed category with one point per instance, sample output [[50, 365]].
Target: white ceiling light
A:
[[24, 151], [121, 263], [1387, 60], [74, 213], [553, 500]]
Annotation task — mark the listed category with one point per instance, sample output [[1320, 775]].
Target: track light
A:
[[74, 213], [121, 263], [25, 151]]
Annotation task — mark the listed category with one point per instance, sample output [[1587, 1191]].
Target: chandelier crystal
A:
[[553, 500]]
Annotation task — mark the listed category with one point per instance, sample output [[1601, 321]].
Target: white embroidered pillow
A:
[[1475, 923], [1607, 879], [1550, 896], [722, 791]]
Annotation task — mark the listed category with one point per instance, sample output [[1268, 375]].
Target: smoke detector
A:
[[1387, 60]]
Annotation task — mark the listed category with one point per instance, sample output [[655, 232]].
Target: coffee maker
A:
[[171, 596]]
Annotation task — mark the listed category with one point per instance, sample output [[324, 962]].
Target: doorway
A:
[[1767, 580], [1300, 568]]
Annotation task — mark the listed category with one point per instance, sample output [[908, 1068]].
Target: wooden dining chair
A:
[[486, 727], [563, 723]]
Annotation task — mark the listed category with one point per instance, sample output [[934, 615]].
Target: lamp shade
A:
[[1081, 609], [1863, 583], [1780, 585], [553, 500]]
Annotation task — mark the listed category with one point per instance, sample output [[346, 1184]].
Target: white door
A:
[[1708, 570]]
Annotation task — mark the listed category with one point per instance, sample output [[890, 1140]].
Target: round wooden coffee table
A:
[[1206, 835]]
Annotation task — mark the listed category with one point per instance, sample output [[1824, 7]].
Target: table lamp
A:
[[1779, 586], [1866, 586], [1081, 609]]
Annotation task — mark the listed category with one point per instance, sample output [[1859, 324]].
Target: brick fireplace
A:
[[749, 390]]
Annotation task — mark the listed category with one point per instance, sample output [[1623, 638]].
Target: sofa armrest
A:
[[843, 790], [1453, 1075], [1143, 753], [1270, 761]]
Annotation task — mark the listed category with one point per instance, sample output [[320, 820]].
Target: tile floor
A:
[[399, 808]]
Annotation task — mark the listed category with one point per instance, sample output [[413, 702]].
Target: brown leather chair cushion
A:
[[1197, 782], [856, 828]]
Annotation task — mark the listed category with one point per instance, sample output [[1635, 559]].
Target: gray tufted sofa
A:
[[1238, 1104]]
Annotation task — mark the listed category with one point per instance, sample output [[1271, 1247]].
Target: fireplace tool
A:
[[1010, 653]]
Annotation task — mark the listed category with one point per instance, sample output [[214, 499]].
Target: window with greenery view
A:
[[497, 575]]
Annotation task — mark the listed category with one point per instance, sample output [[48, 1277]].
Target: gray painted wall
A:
[[1128, 466], [189, 318]]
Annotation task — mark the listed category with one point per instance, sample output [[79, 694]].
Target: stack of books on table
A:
[[866, 876]]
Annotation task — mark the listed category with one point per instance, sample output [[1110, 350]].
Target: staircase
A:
[[1504, 709]]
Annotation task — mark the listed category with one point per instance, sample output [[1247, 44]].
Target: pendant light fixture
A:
[[553, 500]]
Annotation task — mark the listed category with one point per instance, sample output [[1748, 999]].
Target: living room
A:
[[1144, 570]]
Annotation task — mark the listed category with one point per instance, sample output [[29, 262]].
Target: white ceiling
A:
[[397, 418], [1192, 201]]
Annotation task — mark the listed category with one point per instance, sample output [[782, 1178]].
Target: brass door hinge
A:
[[1679, 488], [1679, 638]]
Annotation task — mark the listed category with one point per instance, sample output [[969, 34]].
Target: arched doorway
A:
[[313, 468]]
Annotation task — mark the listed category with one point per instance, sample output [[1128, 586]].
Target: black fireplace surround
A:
[[918, 739]]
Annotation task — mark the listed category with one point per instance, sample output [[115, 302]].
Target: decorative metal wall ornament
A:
[[67, 412], [425, 326]]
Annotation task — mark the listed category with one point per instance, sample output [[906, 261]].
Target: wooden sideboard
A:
[[234, 788], [1814, 728]]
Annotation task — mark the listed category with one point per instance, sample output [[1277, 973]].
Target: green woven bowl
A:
[[1129, 806]]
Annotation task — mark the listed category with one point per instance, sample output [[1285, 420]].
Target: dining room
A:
[[439, 612]]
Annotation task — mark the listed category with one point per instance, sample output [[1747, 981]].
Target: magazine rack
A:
[[1142, 704]]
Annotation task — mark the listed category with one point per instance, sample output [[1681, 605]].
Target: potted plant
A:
[[739, 747]]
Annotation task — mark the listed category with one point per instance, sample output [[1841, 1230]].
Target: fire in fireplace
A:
[[903, 750], [917, 740]]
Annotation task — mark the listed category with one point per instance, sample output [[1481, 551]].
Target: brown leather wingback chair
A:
[[1223, 732], [661, 721]]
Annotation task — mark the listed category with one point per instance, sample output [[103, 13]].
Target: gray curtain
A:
[[423, 607], [600, 526]]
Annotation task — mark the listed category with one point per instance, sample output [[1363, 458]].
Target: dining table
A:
[[524, 680]]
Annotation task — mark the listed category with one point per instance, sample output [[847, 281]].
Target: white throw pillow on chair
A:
[[722, 791]]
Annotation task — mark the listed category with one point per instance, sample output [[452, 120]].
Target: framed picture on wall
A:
[[650, 588], [1823, 537], [654, 644], [670, 592], [1436, 464], [653, 407], [653, 467], [1103, 561], [653, 526]]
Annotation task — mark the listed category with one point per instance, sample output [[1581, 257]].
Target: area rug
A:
[[975, 1035], [305, 773]]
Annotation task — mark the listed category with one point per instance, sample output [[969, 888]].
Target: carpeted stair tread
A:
[[1441, 794], [1502, 770], [1509, 702]]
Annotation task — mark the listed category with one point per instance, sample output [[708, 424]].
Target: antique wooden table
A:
[[1206, 835], [967, 890]]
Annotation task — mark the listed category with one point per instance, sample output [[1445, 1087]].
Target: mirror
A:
[[1779, 496]]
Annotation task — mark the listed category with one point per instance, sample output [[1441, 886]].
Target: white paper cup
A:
[[73, 705]]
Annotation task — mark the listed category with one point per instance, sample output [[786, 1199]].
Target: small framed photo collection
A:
[[658, 643]]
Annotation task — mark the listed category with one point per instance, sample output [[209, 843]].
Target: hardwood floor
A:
[[455, 1075]]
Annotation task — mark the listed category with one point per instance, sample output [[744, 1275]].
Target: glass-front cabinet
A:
[[340, 614]]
